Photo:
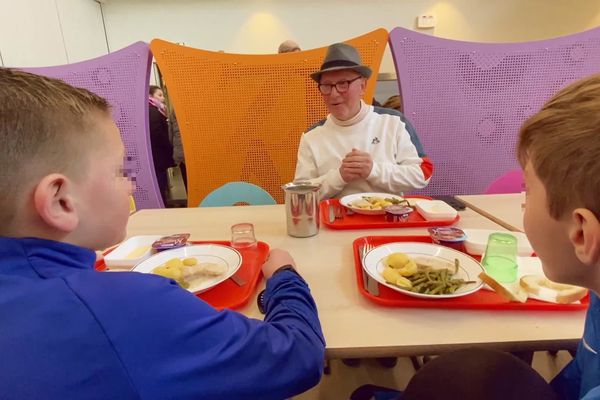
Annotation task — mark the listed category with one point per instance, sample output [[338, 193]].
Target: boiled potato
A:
[[174, 263], [410, 268], [397, 260], [403, 282], [168, 272], [391, 275], [190, 261]]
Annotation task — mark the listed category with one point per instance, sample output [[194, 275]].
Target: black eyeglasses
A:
[[341, 86]]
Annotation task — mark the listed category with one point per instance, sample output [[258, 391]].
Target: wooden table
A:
[[354, 326], [504, 209]]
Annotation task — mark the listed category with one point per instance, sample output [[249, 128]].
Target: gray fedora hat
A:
[[341, 56]]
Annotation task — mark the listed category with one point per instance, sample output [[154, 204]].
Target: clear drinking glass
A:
[[500, 259], [242, 236]]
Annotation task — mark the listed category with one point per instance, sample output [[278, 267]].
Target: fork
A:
[[339, 212], [370, 284]]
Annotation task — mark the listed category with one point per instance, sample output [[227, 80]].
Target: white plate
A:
[[346, 200], [469, 267], [213, 253]]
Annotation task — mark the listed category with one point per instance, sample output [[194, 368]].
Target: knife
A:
[[331, 213], [369, 283]]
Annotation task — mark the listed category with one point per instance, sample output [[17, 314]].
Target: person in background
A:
[[558, 146], [70, 332], [178, 157], [162, 149], [288, 46], [394, 102], [358, 148]]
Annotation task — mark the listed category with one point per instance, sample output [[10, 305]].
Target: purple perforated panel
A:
[[122, 78], [467, 101]]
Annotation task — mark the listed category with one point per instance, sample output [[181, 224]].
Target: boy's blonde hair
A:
[[562, 141], [45, 126]]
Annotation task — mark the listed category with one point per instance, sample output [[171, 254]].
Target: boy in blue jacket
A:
[[67, 331], [559, 149]]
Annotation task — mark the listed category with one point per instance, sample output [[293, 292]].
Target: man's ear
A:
[[584, 233], [54, 202], [363, 86]]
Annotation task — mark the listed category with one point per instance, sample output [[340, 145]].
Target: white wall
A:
[[36, 33], [50, 32], [258, 26]]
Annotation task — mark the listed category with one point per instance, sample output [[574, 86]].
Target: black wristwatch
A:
[[260, 300]]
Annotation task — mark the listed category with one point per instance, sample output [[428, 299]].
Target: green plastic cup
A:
[[500, 259]]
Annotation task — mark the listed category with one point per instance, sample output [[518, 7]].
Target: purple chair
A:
[[511, 182], [467, 101], [121, 78]]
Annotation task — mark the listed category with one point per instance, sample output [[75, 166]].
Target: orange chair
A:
[[241, 116]]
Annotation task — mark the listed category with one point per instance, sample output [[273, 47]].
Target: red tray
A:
[[228, 294], [482, 299], [361, 221]]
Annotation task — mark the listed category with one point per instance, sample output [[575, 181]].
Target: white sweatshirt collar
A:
[[362, 113]]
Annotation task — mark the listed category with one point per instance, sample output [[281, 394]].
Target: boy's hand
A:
[[277, 258], [356, 165]]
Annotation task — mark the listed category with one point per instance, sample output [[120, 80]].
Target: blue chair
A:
[[237, 192]]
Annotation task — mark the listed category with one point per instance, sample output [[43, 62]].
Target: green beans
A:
[[428, 280]]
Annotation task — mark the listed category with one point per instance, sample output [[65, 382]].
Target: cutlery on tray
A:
[[237, 280], [370, 284]]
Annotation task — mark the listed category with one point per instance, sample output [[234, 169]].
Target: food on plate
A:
[[190, 261], [392, 275], [401, 263], [397, 260], [511, 292], [422, 275], [174, 273], [542, 288], [376, 202], [184, 271]]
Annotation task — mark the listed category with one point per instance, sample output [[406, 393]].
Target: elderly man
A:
[[358, 148]]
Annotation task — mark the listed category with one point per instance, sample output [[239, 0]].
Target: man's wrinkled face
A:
[[345, 105]]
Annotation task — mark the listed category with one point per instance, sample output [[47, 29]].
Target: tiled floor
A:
[[343, 380], [177, 196]]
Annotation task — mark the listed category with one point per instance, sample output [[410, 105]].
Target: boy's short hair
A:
[[45, 126], [562, 141]]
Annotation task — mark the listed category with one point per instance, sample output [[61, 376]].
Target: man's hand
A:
[[356, 165], [277, 258]]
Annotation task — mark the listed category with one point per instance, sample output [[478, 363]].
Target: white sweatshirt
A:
[[397, 166]]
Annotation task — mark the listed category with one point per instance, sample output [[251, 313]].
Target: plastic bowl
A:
[[131, 252], [477, 239]]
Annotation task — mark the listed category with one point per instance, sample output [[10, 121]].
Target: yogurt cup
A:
[[397, 213], [448, 236]]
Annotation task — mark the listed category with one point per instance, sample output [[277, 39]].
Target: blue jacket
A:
[[69, 332], [580, 379]]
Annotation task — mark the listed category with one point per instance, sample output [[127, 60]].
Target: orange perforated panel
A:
[[241, 116]]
